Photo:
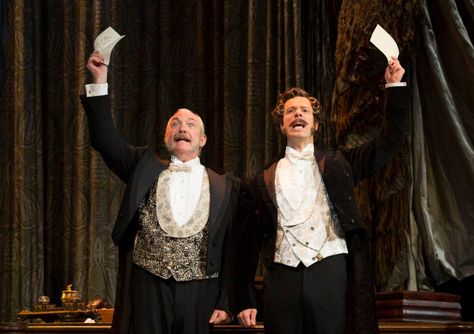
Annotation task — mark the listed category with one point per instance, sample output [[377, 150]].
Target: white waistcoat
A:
[[308, 229]]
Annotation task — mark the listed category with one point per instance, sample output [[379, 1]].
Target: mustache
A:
[[299, 122], [181, 136]]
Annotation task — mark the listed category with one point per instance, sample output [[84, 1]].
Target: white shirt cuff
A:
[[395, 84], [97, 89]]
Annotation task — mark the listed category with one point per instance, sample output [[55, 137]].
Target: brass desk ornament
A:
[[72, 310], [70, 299]]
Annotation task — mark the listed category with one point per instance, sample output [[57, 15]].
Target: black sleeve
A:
[[249, 237], [119, 156], [370, 157]]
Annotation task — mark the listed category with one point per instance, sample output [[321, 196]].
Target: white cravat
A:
[[305, 231], [295, 173], [294, 156], [185, 188]]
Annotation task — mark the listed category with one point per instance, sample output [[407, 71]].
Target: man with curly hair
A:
[[302, 215]]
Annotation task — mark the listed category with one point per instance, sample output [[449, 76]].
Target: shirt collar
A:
[[292, 154], [191, 163]]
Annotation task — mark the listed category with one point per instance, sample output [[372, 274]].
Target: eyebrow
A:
[[302, 107], [176, 118]]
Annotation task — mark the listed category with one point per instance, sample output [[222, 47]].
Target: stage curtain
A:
[[225, 60], [358, 116], [442, 230]]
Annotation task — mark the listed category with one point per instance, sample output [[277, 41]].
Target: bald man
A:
[[172, 229]]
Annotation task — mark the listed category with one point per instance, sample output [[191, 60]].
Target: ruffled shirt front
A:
[[308, 229]]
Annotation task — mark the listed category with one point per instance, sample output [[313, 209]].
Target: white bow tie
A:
[[295, 155]]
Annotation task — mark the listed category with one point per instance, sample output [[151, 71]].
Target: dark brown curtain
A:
[[225, 60], [358, 116]]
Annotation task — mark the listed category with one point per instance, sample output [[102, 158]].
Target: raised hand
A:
[[394, 71], [97, 68]]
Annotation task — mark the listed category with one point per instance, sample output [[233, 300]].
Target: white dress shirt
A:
[[185, 189], [306, 224], [97, 89], [295, 174]]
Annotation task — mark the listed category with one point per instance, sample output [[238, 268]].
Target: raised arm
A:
[[370, 157], [119, 156]]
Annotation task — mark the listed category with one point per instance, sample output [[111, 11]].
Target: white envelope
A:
[[105, 42], [384, 42]]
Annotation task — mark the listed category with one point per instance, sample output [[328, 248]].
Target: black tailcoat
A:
[[341, 171], [138, 168]]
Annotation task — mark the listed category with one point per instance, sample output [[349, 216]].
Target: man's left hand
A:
[[394, 71], [219, 317]]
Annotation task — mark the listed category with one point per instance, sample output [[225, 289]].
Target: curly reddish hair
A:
[[277, 112]]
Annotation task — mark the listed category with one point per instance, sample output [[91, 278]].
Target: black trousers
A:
[[306, 300], [162, 306]]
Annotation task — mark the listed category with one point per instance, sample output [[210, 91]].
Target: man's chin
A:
[[181, 145], [303, 133], [184, 149]]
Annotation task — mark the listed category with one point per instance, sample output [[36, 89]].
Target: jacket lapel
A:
[[219, 195], [321, 160], [267, 189], [147, 175]]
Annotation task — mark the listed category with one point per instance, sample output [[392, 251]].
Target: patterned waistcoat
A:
[[161, 246], [310, 232]]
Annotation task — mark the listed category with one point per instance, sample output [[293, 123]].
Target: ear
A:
[[202, 141]]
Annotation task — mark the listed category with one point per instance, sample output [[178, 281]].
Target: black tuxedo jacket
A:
[[138, 168], [341, 171]]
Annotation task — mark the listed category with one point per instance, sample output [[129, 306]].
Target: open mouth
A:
[[299, 123], [183, 138]]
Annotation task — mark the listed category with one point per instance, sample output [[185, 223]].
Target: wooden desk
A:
[[236, 329], [426, 327]]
